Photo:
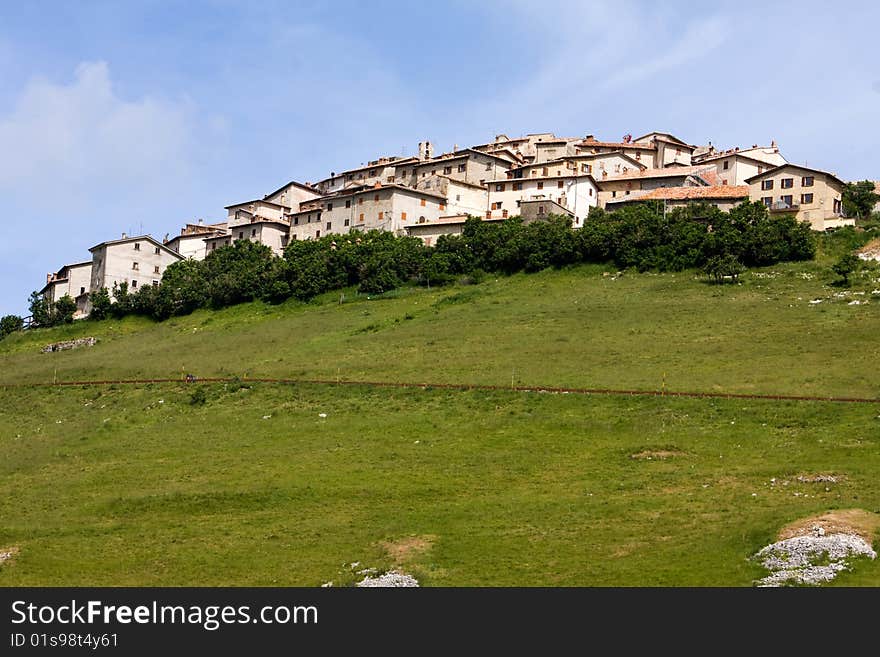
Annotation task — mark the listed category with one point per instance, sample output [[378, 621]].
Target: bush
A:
[[10, 324], [63, 310], [847, 265], [101, 303]]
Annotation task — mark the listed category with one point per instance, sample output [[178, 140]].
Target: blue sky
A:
[[140, 116]]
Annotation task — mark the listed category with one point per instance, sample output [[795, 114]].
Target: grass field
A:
[[144, 485]]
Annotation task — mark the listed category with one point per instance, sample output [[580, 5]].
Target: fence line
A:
[[460, 386]]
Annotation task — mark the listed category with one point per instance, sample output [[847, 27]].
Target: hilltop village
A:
[[534, 177]]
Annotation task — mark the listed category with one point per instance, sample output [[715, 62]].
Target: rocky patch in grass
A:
[[391, 579], [656, 454], [814, 550], [7, 554]]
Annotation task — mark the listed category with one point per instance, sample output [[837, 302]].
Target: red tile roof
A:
[[688, 194]]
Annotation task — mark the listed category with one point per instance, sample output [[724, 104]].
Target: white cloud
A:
[[80, 138]]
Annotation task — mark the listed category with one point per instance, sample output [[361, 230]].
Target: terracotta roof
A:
[[615, 144], [687, 194]]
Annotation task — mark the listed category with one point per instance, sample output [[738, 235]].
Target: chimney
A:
[[48, 278], [201, 222], [124, 236], [422, 151]]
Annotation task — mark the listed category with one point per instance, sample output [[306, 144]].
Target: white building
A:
[[191, 241], [577, 193], [71, 280], [137, 261], [380, 207]]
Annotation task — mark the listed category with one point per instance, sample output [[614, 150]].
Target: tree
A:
[[723, 266], [100, 300], [62, 312], [41, 311], [846, 266], [859, 199], [10, 324]]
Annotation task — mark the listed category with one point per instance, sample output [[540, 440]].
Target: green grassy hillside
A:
[[290, 484]]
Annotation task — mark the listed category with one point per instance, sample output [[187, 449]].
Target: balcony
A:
[[781, 206]]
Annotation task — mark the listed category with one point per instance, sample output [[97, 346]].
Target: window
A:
[[317, 234], [361, 218], [638, 155], [806, 198], [241, 234], [253, 232], [447, 170], [213, 245], [726, 165], [329, 206], [361, 200], [348, 203], [458, 197], [134, 283], [499, 187], [544, 171], [540, 209], [293, 237], [329, 226], [381, 216], [155, 283], [586, 168], [504, 213], [226, 241], [157, 250], [403, 216], [296, 221], [82, 290], [766, 184], [786, 183], [462, 168], [372, 173], [613, 194], [375, 198], [517, 187], [442, 207], [156, 269], [519, 204], [724, 181], [345, 223], [591, 191], [836, 209], [488, 166], [137, 246], [787, 200], [421, 220], [540, 185], [678, 151], [135, 266], [559, 184], [422, 202], [807, 181]]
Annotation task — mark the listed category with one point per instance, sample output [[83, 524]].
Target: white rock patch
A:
[[391, 579], [810, 560]]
